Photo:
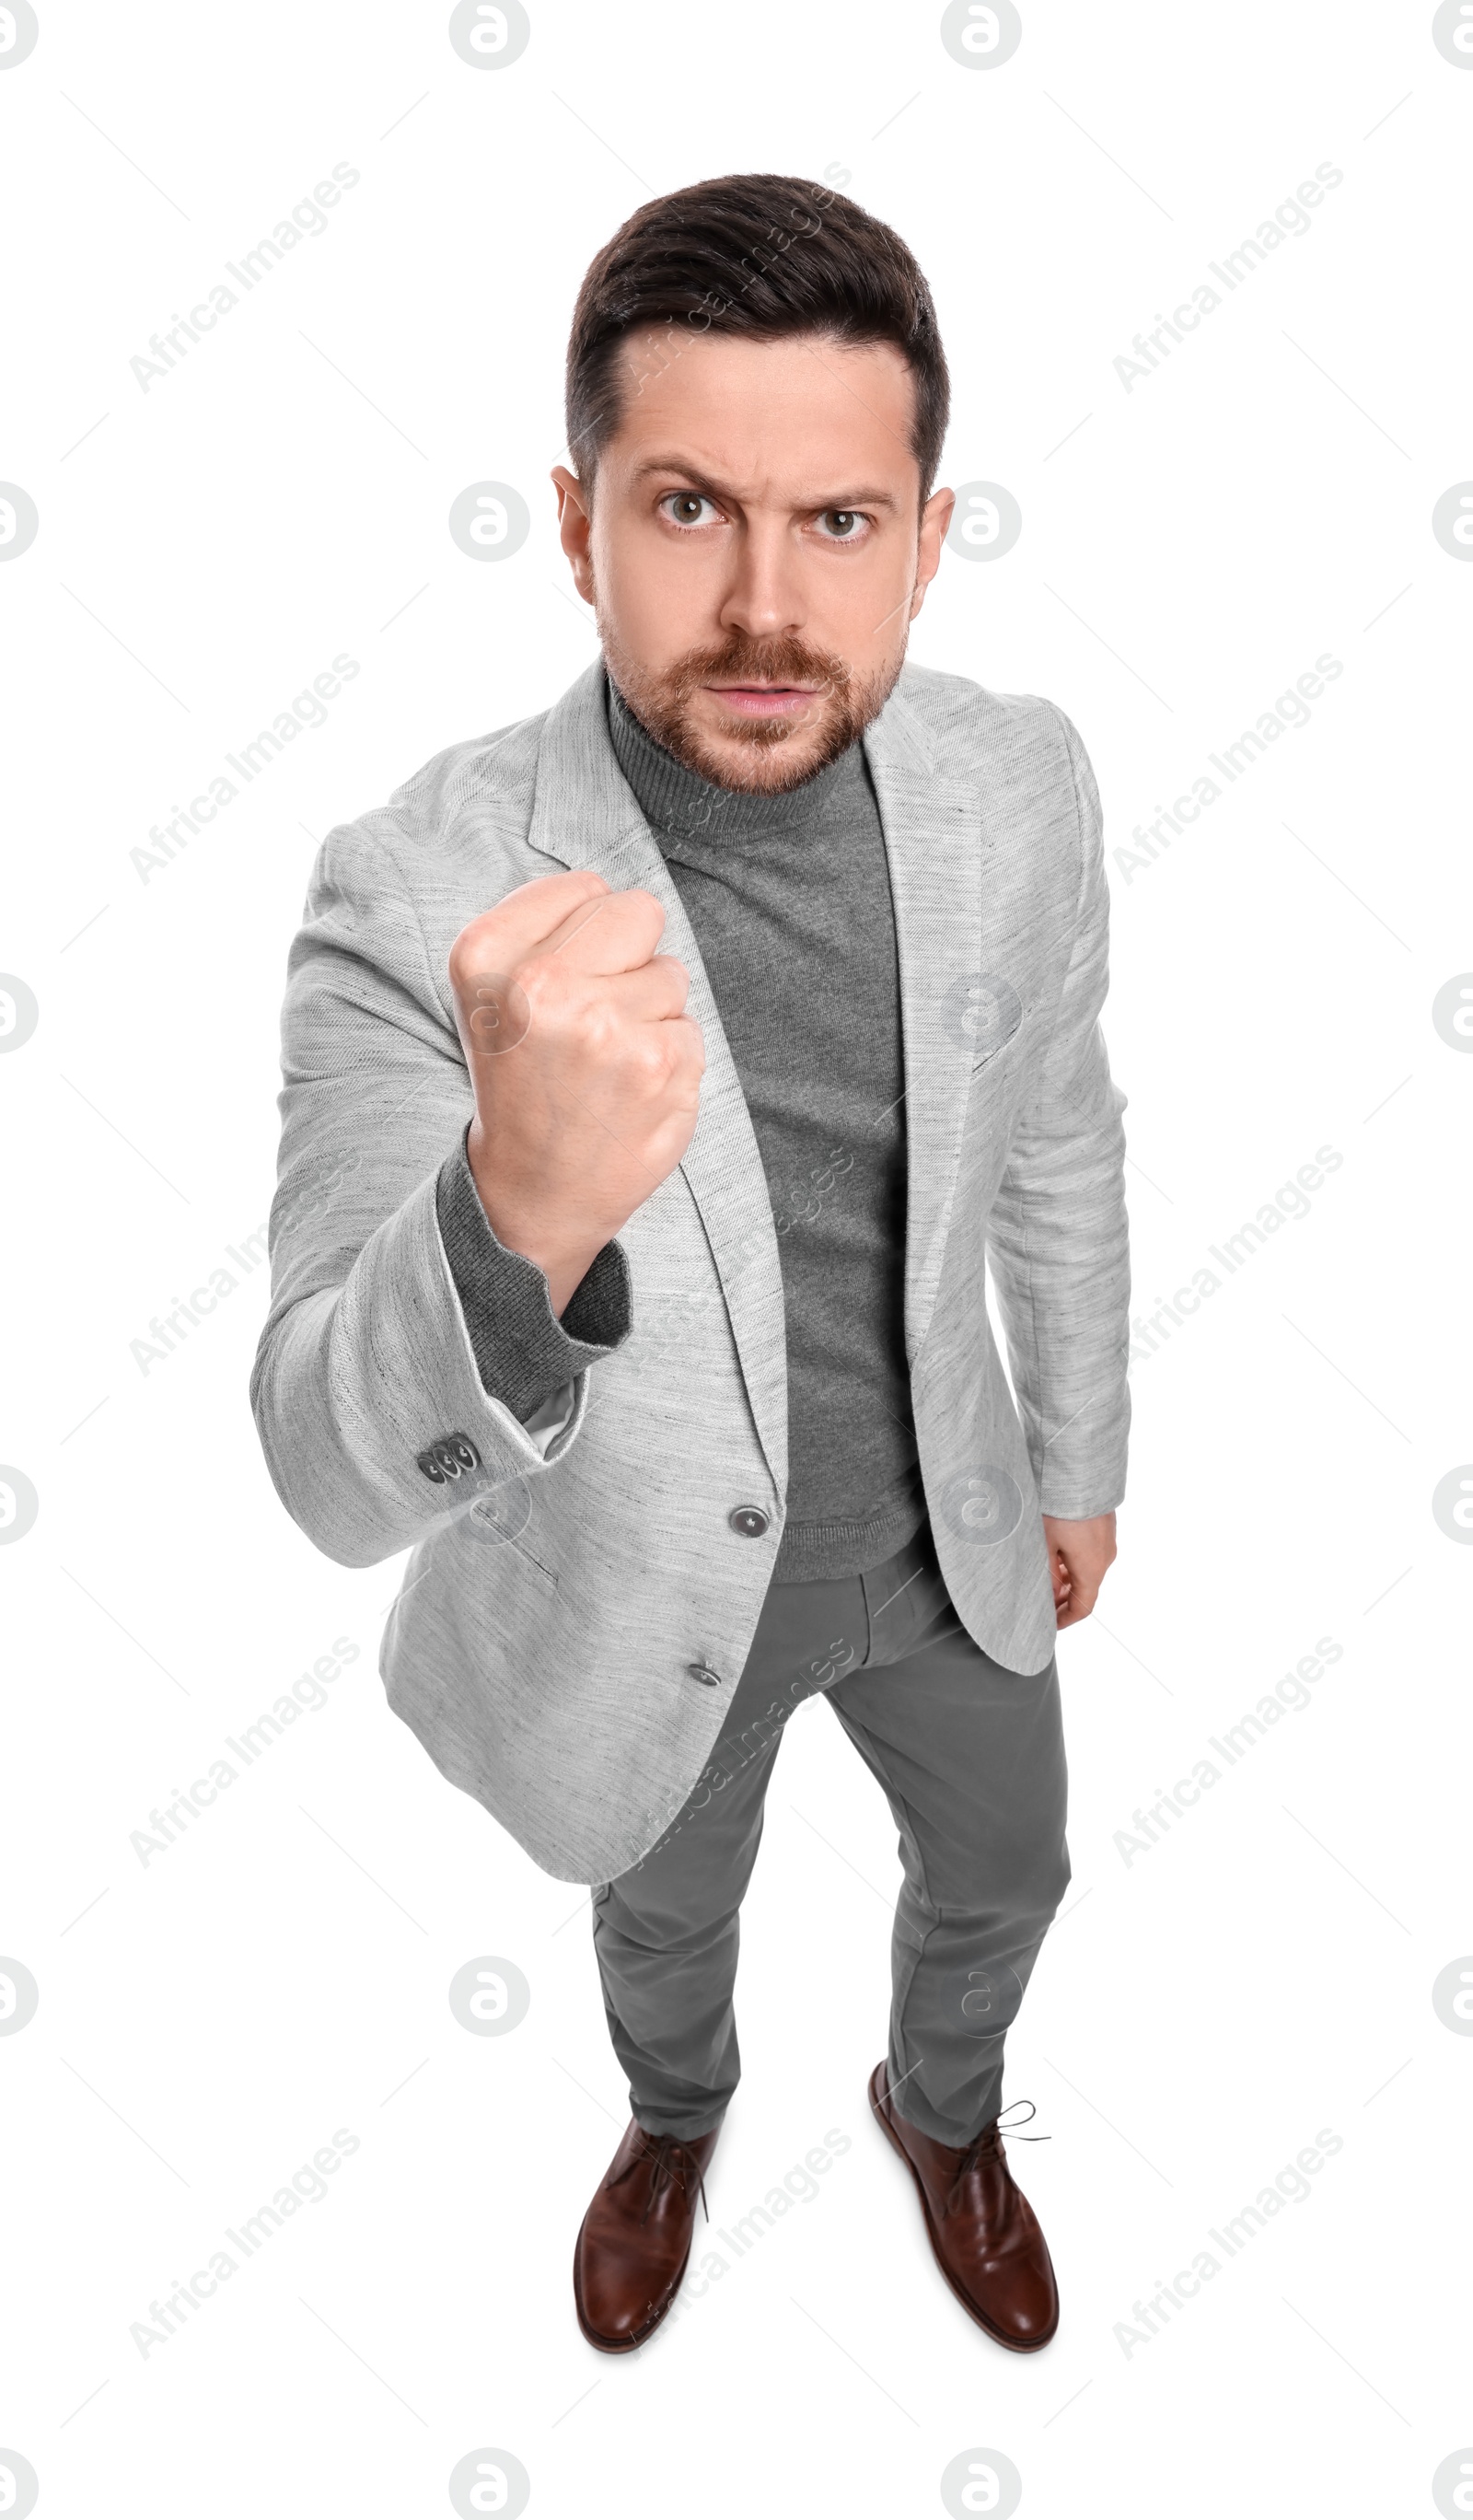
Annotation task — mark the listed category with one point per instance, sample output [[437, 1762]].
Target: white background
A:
[[208, 2020]]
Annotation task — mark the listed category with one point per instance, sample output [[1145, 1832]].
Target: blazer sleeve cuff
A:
[[524, 1353]]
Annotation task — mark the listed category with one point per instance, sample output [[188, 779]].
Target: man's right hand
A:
[[585, 1066]]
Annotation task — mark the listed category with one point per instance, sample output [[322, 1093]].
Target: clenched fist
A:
[[585, 1065]]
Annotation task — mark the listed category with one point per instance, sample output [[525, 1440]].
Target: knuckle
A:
[[470, 946], [650, 1060], [598, 1028], [536, 975]]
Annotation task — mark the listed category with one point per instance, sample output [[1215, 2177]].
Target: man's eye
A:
[[842, 524], [685, 508]]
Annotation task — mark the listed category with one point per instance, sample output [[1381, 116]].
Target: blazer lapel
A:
[[585, 814], [934, 841]]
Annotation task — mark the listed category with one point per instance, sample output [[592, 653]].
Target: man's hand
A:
[[1079, 1553], [585, 1065]]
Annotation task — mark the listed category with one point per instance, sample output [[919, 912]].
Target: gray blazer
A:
[[566, 1586]]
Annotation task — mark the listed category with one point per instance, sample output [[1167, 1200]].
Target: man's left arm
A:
[[1060, 1254]]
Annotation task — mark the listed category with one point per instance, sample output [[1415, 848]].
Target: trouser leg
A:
[[972, 1758], [666, 1932]]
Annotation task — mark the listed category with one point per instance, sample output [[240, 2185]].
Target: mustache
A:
[[740, 658]]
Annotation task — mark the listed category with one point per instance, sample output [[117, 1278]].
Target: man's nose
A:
[[765, 598]]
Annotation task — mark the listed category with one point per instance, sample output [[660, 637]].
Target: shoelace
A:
[[985, 2147], [662, 2150]]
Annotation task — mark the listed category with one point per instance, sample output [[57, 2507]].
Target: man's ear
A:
[[574, 526], [935, 519]]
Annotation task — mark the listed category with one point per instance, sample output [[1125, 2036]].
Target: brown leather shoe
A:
[[984, 2234], [635, 2236]]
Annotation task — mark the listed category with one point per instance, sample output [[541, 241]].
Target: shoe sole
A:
[[642, 2336], [1012, 2344]]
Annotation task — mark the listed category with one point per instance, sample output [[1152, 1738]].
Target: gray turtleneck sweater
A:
[[789, 900]]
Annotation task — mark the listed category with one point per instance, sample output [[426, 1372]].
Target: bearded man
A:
[[664, 1074]]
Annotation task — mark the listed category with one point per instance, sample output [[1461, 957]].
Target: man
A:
[[661, 1074]]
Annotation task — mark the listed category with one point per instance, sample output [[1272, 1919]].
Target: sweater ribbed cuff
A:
[[524, 1353]]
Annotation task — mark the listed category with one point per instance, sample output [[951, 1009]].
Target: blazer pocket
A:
[[999, 1016], [502, 1518]]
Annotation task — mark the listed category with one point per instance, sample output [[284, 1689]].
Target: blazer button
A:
[[749, 1520], [703, 1672]]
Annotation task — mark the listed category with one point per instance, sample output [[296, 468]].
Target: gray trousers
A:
[[972, 1758]]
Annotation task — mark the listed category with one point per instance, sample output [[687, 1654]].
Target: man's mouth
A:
[[765, 699]]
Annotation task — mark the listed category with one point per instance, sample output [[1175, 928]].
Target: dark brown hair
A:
[[765, 257]]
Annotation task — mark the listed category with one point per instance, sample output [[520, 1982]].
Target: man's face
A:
[[754, 545]]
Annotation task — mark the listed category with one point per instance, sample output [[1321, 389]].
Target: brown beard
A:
[[843, 705]]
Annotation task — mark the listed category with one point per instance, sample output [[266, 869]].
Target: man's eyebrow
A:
[[700, 478]]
